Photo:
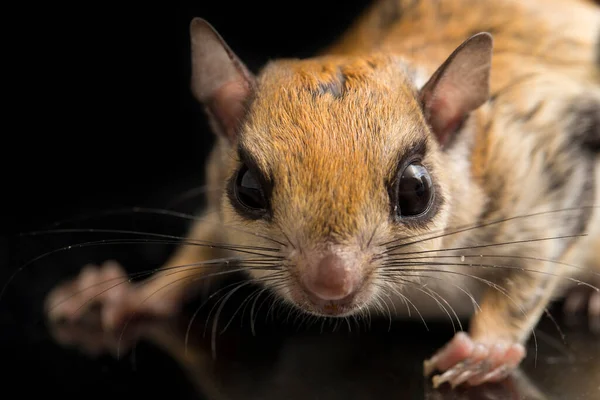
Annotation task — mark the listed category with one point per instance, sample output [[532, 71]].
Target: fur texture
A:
[[330, 131], [326, 138]]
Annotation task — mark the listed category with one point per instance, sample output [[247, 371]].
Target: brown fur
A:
[[329, 132]]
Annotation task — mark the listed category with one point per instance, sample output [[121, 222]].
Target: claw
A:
[[464, 361]]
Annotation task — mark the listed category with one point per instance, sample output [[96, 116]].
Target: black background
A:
[[105, 112], [99, 116]]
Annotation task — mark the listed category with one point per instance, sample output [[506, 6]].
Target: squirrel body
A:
[[441, 155]]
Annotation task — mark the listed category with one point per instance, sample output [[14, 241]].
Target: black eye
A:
[[415, 191], [248, 190]]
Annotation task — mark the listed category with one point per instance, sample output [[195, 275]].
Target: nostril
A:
[[330, 279]]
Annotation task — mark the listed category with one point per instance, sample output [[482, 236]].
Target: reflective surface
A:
[[288, 358]]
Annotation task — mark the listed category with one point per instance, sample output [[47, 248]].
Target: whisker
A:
[[246, 300], [215, 293], [401, 295], [473, 301], [323, 320], [178, 239], [391, 302], [159, 211], [286, 237], [135, 312], [222, 301], [189, 194], [305, 317], [289, 314], [336, 324], [107, 242], [356, 319], [252, 315], [299, 315], [272, 295], [348, 323], [368, 316], [489, 283], [241, 306], [372, 236], [213, 341], [238, 285], [421, 288], [377, 305], [393, 266], [199, 275], [470, 227], [276, 301], [433, 292], [252, 309], [130, 277], [481, 246], [499, 256], [213, 333], [476, 305], [556, 325], [389, 313]]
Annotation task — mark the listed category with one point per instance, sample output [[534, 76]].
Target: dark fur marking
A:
[[494, 203], [528, 302], [585, 122], [335, 87], [586, 197], [557, 177]]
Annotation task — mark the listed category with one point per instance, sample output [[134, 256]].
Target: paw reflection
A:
[[282, 363]]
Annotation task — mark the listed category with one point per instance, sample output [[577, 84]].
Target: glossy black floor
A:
[[284, 358], [110, 123]]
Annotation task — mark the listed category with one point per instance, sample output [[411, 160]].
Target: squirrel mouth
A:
[[334, 310], [330, 308]]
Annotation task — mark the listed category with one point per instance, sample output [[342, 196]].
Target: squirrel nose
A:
[[331, 278]]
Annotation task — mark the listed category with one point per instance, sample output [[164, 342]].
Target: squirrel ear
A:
[[459, 86], [220, 81]]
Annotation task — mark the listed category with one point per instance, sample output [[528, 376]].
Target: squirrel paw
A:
[[464, 361], [102, 295]]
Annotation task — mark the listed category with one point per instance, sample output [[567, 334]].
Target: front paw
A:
[[464, 360], [92, 340], [105, 296]]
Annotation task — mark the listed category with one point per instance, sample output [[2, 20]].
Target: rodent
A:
[[438, 153]]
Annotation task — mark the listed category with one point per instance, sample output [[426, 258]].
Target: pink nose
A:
[[330, 279]]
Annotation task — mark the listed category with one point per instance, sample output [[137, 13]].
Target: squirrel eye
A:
[[248, 190], [415, 191]]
